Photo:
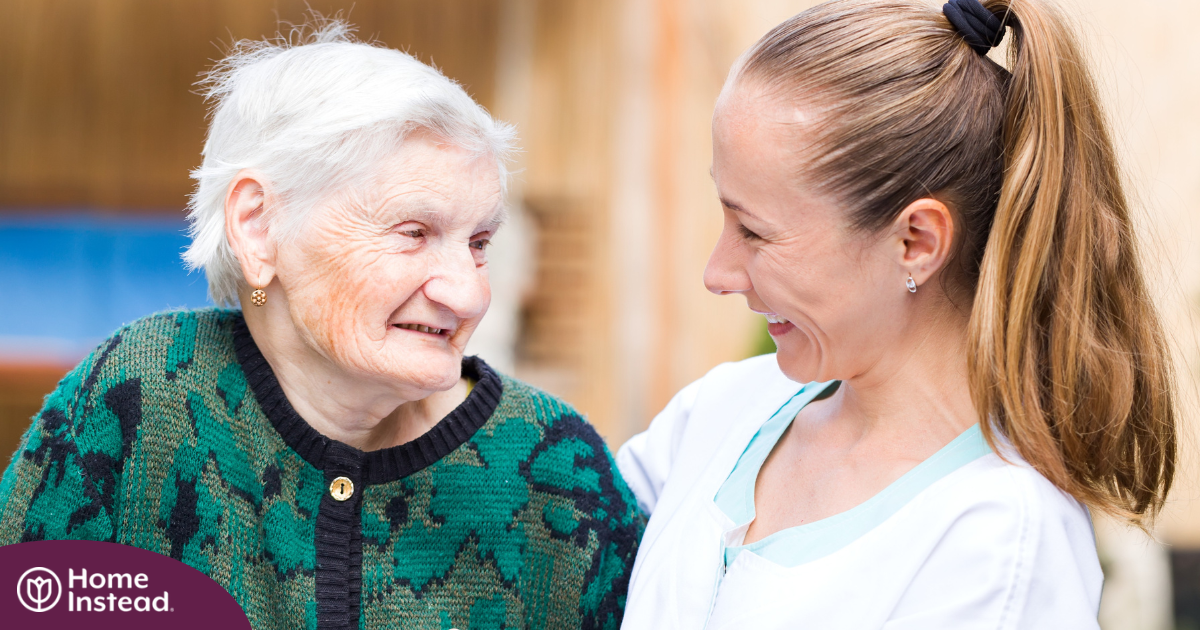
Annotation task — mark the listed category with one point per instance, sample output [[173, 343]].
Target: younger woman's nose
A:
[[726, 270]]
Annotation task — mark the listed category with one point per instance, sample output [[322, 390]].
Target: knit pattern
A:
[[157, 441]]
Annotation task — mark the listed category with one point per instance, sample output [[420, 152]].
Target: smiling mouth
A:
[[424, 329]]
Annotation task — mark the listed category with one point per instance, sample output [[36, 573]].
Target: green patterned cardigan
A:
[[175, 436]]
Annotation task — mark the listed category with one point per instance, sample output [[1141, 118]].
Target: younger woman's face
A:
[[830, 290]]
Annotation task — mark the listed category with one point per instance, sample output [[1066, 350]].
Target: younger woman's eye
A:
[[747, 234]]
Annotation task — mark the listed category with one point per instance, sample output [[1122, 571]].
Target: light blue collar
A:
[[804, 543]]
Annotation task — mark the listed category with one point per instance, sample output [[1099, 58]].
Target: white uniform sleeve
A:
[[1065, 578], [645, 460], [1025, 564]]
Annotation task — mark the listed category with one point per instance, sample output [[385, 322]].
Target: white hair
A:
[[315, 112]]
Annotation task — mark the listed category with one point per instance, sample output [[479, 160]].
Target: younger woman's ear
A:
[[247, 229], [925, 236]]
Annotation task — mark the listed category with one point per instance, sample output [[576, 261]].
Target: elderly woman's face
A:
[[389, 284]]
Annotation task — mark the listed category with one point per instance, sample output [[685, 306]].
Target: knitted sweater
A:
[[175, 436]]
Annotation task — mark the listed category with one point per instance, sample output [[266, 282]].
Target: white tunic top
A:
[[989, 545]]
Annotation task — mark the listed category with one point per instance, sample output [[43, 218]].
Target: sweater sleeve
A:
[[48, 491], [602, 602]]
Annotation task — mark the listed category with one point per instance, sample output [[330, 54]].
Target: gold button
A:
[[341, 489]]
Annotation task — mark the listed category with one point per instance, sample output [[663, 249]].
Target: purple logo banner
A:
[[79, 583]]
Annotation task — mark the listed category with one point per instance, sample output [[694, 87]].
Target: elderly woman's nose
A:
[[459, 285]]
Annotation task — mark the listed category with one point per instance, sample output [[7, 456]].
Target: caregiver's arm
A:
[[645, 460]]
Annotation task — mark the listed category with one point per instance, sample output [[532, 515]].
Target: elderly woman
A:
[[327, 453], [968, 360]]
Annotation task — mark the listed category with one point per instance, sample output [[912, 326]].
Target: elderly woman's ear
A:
[[248, 228]]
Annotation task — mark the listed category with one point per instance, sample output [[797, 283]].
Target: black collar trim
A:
[[384, 465]]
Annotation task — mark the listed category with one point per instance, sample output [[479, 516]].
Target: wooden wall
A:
[[97, 108], [566, 183]]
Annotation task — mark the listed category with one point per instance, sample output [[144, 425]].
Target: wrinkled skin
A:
[[414, 252], [408, 248]]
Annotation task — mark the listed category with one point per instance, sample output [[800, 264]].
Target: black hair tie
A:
[[980, 27]]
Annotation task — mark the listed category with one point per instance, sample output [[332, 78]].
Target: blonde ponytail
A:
[[1069, 359], [1068, 362]]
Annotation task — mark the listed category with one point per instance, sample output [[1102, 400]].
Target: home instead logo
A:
[[39, 590], [70, 583]]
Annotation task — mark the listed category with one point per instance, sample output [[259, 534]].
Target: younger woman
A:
[[968, 361]]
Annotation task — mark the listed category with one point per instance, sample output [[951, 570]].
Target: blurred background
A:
[[597, 280]]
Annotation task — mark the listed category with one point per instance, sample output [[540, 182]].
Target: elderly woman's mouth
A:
[[425, 329]]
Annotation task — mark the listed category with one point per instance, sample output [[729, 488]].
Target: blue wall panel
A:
[[68, 281]]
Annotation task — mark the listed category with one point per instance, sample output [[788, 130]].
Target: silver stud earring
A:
[[911, 284]]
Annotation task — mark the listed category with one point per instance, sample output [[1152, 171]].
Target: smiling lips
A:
[[777, 326], [425, 329]]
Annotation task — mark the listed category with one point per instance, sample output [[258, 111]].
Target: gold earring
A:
[[259, 297]]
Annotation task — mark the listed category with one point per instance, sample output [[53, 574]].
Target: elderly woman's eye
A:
[[480, 244], [413, 233]]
